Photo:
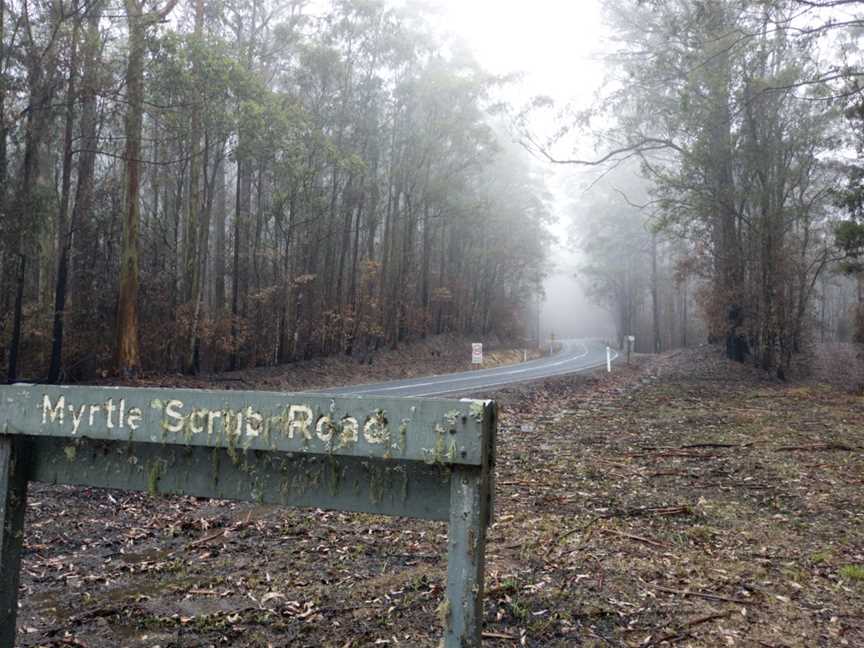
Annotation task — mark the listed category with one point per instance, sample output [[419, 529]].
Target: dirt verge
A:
[[438, 354]]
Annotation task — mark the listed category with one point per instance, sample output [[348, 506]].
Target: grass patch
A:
[[853, 572]]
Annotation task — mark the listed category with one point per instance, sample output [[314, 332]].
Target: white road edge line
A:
[[469, 376], [514, 382]]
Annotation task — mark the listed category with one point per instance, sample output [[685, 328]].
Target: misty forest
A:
[[219, 185], [431, 323]]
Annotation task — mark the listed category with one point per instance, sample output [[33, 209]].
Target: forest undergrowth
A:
[[685, 500], [436, 354]]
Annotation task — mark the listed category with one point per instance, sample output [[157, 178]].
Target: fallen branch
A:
[[617, 464], [705, 619], [670, 453], [705, 595], [814, 447], [690, 624], [206, 539], [637, 538], [715, 445], [564, 536], [681, 509]]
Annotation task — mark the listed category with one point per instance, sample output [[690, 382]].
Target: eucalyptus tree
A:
[[719, 104], [273, 184], [139, 21], [64, 225], [27, 221], [94, 82], [849, 232]]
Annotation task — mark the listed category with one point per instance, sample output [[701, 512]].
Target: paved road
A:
[[575, 356]]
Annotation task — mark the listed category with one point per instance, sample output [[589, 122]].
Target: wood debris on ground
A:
[[683, 501]]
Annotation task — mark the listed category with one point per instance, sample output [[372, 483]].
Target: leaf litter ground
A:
[[683, 501]]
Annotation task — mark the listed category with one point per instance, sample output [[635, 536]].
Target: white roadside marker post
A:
[[477, 354], [608, 360]]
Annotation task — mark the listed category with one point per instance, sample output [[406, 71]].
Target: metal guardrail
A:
[[419, 458]]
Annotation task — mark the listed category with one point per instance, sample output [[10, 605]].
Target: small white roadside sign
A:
[[477, 353]]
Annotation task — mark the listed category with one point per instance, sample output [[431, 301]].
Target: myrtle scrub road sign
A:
[[431, 459]]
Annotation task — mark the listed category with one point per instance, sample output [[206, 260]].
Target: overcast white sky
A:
[[551, 41], [554, 44]]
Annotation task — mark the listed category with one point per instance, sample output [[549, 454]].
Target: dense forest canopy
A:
[[233, 183], [191, 185], [728, 143]]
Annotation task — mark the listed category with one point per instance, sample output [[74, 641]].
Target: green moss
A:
[[335, 475], [438, 454], [377, 478], [403, 434], [155, 473], [451, 418], [451, 452], [477, 410], [70, 451], [215, 461], [404, 484], [231, 438]]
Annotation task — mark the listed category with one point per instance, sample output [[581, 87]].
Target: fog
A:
[[279, 181], [567, 312], [507, 39]]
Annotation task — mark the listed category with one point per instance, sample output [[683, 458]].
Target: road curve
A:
[[574, 356]]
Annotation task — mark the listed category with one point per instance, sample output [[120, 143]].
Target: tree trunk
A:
[[424, 268], [25, 205], [128, 359], [12, 370], [241, 218], [193, 234], [858, 330], [128, 355], [727, 276], [3, 128], [220, 209], [64, 230], [655, 303]]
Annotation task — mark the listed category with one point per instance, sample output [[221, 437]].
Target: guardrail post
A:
[[462, 610], [13, 502]]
